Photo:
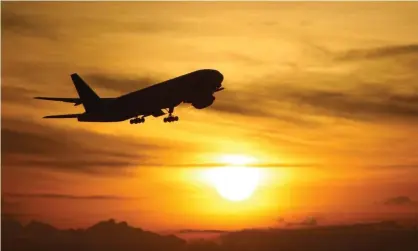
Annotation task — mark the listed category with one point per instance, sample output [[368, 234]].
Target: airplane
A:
[[196, 88]]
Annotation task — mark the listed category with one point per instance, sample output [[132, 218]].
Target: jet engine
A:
[[203, 102]]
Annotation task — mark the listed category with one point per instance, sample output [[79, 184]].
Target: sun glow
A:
[[237, 160], [236, 181]]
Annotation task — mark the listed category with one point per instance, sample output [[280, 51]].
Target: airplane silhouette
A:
[[196, 88]]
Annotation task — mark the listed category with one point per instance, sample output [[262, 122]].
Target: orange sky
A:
[[323, 95]]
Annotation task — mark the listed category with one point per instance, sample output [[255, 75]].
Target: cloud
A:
[[27, 20], [367, 94], [240, 106], [65, 196], [199, 231], [35, 25], [307, 222], [11, 209], [399, 201], [381, 52], [311, 221], [16, 94], [364, 104], [257, 104], [7, 205], [29, 144]]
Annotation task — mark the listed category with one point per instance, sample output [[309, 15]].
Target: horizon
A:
[[213, 234], [316, 125]]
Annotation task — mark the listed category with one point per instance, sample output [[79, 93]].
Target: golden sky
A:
[[323, 95]]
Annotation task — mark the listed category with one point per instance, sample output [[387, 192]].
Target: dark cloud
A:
[[381, 52], [363, 104], [290, 99], [36, 75], [6, 205], [257, 104], [29, 144], [18, 216], [16, 20], [310, 221], [399, 201], [199, 231], [366, 102], [35, 25], [11, 209], [65, 196], [57, 142], [16, 94], [307, 222], [240, 106]]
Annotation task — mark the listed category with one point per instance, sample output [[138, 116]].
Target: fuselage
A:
[[151, 100]]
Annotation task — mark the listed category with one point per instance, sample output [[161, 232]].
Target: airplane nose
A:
[[221, 77]]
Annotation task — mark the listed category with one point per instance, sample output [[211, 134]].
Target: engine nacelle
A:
[[203, 102]]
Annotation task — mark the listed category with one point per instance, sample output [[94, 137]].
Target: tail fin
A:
[[89, 99]]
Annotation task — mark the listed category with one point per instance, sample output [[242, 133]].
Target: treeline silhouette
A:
[[113, 236]]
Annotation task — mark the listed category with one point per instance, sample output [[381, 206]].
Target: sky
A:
[[323, 96]]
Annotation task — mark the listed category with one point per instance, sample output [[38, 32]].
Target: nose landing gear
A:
[[137, 120]]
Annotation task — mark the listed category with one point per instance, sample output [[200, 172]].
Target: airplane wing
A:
[[76, 101], [63, 116], [158, 113]]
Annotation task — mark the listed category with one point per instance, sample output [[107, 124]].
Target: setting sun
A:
[[234, 183]]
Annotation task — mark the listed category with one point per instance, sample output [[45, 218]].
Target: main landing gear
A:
[[137, 120], [170, 117]]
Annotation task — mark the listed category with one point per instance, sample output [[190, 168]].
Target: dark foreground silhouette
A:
[[111, 235]]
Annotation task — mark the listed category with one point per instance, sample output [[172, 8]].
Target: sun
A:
[[235, 182]]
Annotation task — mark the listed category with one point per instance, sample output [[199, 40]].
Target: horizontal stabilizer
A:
[[76, 101], [62, 116]]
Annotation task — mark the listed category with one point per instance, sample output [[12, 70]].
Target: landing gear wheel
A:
[[170, 117], [137, 120]]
